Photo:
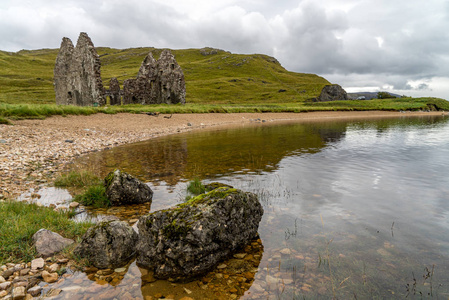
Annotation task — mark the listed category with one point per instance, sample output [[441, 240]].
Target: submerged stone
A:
[[193, 237]]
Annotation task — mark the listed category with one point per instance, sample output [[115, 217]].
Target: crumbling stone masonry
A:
[[160, 81], [77, 78], [77, 75]]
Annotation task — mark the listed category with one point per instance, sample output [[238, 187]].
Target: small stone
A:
[[37, 263], [49, 277], [222, 266], [35, 291], [24, 272], [8, 273], [5, 285], [187, 291], [2, 279], [62, 260], [53, 268], [69, 141], [19, 293], [120, 270], [90, 269], [249, 275], [240, 255], [3, 293], [286, 251], [73, 205], [105, 272]]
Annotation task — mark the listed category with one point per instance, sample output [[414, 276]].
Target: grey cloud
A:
[[382, 42]]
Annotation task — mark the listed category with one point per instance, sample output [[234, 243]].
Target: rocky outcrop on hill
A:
[[191, 238], [109, 244], [77, 75], [123, 189], [48, 243], [332, 92], [158, 81]]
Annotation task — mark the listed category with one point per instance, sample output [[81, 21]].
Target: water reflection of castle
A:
[[215, 153]]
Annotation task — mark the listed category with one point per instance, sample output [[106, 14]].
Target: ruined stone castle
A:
[[77, 78]]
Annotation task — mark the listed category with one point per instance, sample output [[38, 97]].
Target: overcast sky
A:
[[400, 46]]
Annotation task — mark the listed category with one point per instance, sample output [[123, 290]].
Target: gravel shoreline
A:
[[33, 152]]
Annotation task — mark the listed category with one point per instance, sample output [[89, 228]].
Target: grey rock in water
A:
[[332, 92], [160, 81], [123, 189], [114, 92], [191, 238], [48, 243], [108, 244], [77, 74]]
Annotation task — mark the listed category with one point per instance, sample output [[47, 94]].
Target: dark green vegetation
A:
[[93, 190], [19, 221], [220, 82]]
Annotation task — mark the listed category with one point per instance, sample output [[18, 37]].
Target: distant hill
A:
[[368, 95], [212, 76]]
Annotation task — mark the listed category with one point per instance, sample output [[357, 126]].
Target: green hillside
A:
[[212, 76]]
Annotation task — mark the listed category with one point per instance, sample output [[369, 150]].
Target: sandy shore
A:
[[33, 152]]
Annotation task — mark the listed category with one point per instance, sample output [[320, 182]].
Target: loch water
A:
[[353, 209]]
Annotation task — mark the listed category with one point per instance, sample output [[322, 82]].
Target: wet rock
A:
[[193, 237], [108, 244], [48, 243], [123, 188], [332, 92]]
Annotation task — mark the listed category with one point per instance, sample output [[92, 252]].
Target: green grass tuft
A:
[[5, 121], [196, 187], [20, 220], [95, 196]]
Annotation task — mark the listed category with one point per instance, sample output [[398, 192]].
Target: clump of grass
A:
[[77, 179], [20, 220], [95, 196], [196, 187], [5, 121]]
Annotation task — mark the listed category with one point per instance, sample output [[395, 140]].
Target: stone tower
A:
[[160, 81], [77, 75]]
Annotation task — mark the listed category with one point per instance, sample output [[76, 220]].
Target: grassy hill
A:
[[213, 77], [216, 81]]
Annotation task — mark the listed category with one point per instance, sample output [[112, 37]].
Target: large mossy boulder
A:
[[191, 238], [108, 244], [123, 189]]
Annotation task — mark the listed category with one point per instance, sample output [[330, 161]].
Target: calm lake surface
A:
[[353, 209]]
